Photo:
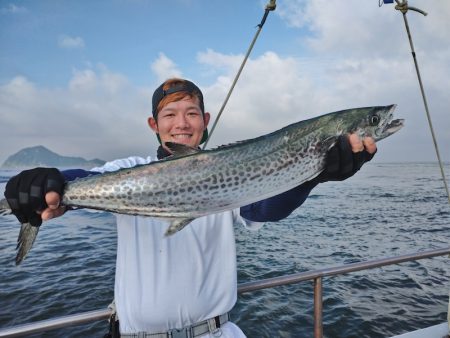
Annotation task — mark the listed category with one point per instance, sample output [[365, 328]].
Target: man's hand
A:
[[346, 157], [54, 210], [34, 195]]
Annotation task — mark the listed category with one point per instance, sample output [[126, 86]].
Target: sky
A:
[[77, 76]]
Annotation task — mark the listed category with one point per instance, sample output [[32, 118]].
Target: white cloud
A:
[[90, 81], [220, 61], [371, 62], [13, 9], [69, 42], [99, 114], [293, 12], [356, 60], [102, 114], [267, 88], [353, 29], [274, 91], [165, 68]]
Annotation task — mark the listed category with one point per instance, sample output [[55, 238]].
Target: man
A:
[[182, 285]]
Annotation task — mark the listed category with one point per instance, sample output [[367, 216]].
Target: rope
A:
[[403, 7], [269, 7]]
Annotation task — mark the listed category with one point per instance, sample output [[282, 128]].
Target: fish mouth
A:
[[394, 126], [389, 128]]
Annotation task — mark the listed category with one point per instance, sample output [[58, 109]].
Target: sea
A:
[[385, 210]]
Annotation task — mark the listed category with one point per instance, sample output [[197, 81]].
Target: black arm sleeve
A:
[[73, 174], [279, 206]]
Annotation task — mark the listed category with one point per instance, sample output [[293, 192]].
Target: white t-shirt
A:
[[172, 282]]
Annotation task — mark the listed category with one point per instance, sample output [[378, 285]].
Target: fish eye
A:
[[374, 120]]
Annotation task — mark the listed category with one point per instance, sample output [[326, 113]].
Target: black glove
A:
[[26, 191], [341, 163]]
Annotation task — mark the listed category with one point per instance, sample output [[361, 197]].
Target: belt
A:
[[210, 325]]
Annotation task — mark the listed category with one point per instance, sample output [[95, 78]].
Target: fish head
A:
[[376, 122]]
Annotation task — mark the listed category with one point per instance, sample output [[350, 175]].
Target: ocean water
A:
[[385, 210]]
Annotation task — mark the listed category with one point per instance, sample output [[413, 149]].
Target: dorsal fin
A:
[[179, 150]]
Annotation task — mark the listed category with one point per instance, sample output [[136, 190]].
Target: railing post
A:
[[318, 328]]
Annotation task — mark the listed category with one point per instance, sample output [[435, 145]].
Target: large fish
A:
[[194, 183]]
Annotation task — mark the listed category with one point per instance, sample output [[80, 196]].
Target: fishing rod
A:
[[269, 7], [402, 6]]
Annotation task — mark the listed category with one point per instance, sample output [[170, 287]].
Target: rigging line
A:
[[269, 7], [403, 7]]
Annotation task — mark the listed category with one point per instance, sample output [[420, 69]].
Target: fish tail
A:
[[27, 233], [25, 241]]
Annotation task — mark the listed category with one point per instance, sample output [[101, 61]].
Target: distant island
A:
[[40, 156]]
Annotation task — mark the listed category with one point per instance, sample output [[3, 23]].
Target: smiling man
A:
[[182, 285], [179, 114]]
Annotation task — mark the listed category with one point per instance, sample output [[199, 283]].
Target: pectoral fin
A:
[[176, 224]]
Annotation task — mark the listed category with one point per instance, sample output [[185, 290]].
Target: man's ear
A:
[[153, 124], [206, 118]]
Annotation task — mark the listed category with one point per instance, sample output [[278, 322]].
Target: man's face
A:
[[180, 122]]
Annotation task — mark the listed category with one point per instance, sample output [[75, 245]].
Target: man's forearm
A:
[[278, 207], [73, 174]]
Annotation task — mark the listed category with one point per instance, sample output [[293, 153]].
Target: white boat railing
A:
[[316, 275]]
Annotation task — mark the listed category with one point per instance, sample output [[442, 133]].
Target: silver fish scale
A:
[[213, 181], [227, 177]]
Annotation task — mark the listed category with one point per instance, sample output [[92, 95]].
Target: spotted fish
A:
[[194, 183]]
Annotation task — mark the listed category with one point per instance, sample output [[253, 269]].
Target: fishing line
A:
[[269, 7], [402, 6]]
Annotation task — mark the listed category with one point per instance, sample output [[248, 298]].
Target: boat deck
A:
[[436, 331]]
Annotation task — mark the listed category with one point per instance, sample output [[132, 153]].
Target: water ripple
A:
[[385, 210]]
